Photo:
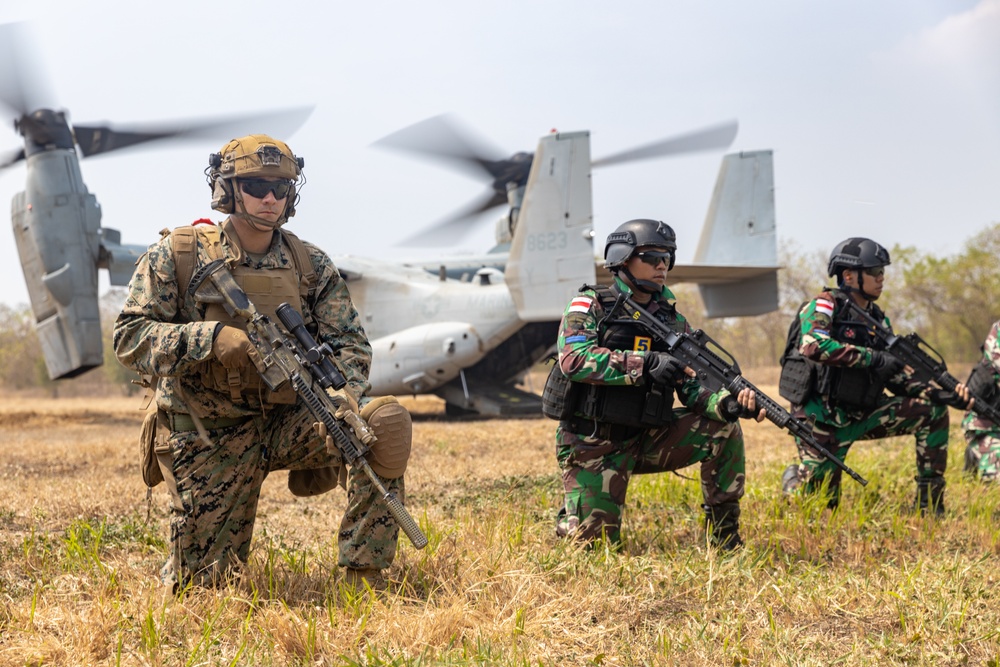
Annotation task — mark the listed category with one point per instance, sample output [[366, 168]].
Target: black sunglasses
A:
[[654, 257], [258, 187]]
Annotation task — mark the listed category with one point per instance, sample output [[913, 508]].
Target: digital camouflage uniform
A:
[[596, 471], [216, 485], [837, 427], [982, 454]]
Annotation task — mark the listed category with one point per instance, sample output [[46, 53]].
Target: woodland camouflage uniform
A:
[[982, 454], [216, 484], [838, 426], [596, 470]]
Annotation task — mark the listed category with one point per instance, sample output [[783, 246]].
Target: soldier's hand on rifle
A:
[[665, 369], [742, 406], [233, 348], [959, 398], [321, 431], [344, 400], [885, 365]]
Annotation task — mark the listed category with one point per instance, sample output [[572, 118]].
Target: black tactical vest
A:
[[852, 387], [645, 406]]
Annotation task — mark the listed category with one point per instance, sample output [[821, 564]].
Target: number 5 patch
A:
[[642, 344]]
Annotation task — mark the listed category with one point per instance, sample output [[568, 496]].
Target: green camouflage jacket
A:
[[161, 335], [582, 359], [818, 319]]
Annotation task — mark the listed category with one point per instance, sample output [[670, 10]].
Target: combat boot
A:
[[790, 480], [566, 525], [723, 525], [930, 496]]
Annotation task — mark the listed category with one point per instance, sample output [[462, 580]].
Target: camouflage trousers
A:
[[216, 486], [596, 472], [982, 454], [896, 415]]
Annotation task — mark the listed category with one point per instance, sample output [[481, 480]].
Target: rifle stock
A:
[[716, 369], [303, 363]]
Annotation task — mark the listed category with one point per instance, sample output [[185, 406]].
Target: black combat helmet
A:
[[634, 234], [857, 253]]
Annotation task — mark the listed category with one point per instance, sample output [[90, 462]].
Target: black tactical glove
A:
[[945, 397], [731, 410], [662, 368], [885, 365]]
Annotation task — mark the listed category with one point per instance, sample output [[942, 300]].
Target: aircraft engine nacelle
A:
[[57, 229], [420, 359]]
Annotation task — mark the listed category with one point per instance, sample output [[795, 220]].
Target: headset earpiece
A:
[[222, 195]]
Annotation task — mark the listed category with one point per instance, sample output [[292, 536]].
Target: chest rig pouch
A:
[[798, 374], [559, 396], [646, 406], [852, 387]]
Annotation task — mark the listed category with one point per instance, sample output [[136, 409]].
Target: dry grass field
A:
[[871, 584]]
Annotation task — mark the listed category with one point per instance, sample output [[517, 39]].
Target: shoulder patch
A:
[[824, 307], [580, 304]]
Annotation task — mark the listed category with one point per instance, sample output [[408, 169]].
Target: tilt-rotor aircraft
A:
[[468, 329], [464, 331]]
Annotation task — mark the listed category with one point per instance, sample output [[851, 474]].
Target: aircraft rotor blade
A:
[[717, 136], [449, 230], [23, 84], [11, 158], [440, 137], [96, 139]]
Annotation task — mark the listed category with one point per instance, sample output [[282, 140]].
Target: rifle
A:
[[308, 367], [716, 369], [927, 363]]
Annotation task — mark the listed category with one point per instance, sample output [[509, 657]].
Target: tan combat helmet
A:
[[253, 156]]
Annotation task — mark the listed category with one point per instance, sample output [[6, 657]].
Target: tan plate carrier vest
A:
[[266, 288]]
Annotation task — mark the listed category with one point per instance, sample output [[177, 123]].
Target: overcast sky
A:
[[884, 117]]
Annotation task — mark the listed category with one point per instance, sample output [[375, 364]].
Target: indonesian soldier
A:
[[222, 431], [845, 372], [982, 453], [618, 417]]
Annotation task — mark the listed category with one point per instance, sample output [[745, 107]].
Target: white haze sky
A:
[[884, 117]]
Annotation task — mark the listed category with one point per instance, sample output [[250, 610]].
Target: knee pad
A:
[[393, 429]]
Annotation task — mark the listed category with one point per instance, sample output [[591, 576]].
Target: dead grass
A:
[[869, 585]]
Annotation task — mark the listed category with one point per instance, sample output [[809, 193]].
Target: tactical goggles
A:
[[259, 187], [654, 257], [875, 271]]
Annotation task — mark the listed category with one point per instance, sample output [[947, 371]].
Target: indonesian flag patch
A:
[[580, 304], [824, 307]]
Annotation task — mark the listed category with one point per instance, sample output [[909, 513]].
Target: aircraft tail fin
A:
[[740, 231], [552, 252]]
